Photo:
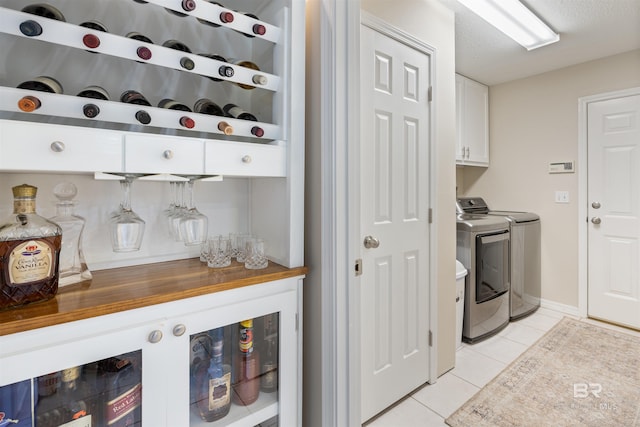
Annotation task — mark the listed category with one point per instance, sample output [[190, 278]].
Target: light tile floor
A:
[[476, 365]]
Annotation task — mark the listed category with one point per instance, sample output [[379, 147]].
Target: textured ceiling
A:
[[589, 29]]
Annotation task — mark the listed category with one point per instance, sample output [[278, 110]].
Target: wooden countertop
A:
[[126, 288]]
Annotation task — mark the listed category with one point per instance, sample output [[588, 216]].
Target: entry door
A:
[[613, 140], [394, 184]]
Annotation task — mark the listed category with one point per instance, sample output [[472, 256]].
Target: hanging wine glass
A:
[[193, 224], [127, 228], [178, 211]]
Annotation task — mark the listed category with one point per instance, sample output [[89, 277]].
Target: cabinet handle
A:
[[467, 152], [57, 146], [155, 336], [247, 159], [179, 330], [167, 154]]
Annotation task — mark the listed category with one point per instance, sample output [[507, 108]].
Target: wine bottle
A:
[[123, 388], [143, 52], [257, 28], [225, 128], [30, 28], [187, 122], [246, 380], [177, 45], [213, 379], [173, 105], [224, 70], [207, 106], [203, 21], [42, 84], [90, 110], [232, 110], [258, 79], [91, 40], [29, 103], [134, 97], [187, 6], [44, 10], [94, 92], [46, 409], [143, 117]]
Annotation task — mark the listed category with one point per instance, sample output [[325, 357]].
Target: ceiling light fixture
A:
[[515, 20]]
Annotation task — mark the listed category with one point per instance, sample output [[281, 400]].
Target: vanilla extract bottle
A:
[[29, 252]]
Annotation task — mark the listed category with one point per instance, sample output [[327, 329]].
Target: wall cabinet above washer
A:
[[472, 122]]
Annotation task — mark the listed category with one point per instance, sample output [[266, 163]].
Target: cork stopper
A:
[[25, 191]]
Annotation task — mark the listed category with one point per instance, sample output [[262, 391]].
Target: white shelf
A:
[[58, 105]]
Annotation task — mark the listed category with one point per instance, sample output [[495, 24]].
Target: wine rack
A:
[[67, 35]]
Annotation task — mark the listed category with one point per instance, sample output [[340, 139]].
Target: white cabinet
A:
[[472, 122], [159, 338]]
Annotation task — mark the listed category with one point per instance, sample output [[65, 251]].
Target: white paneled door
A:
[[394, 206], [613, 139]]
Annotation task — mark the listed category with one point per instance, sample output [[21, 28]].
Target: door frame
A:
[[583, 201], [356, 247]]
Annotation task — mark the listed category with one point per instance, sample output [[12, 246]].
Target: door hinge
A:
[[430, 94], [430, 339], [358, 267], [430, 215]]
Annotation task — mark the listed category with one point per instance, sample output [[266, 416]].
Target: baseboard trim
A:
[[562, 308]]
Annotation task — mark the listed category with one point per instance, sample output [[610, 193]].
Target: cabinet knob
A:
[[57, 146], [247, 159], [179, 330], [155, 336], [167, 154]]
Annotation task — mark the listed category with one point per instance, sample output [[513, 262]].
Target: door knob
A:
[[155, 336], [596, 220], [595, 205], [371, 242]]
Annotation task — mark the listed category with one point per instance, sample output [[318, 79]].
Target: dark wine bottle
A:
[[90, 110], [257, 28], [44, 10], [143, 52], [177, 45], [134, 97], [207, 106], [246, 378], [213, 382], [232, 110], [143, 117], [30, 28], [173, 105], [187, 6], [94, 92], [226, 71], [257, 131]]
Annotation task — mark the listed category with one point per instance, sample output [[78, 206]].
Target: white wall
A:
[[534, 121], [430, 22]]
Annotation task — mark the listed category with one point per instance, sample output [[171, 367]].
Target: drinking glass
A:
[[219, 252], [255, 257], [193, 224], [176, 212], [127, 228], [241, 246]]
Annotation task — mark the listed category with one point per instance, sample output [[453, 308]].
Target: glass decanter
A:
[[73, 268]]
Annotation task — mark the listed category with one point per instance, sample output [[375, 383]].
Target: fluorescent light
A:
[[515, 20]]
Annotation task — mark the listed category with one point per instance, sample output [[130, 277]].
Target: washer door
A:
[[492, 266]]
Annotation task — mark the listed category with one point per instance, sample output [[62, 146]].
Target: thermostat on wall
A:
[[561, 167]]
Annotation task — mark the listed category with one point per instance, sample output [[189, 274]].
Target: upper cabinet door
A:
[[472, 121]]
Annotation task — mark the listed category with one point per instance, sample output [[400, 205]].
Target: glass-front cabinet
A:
[[216, 360]]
